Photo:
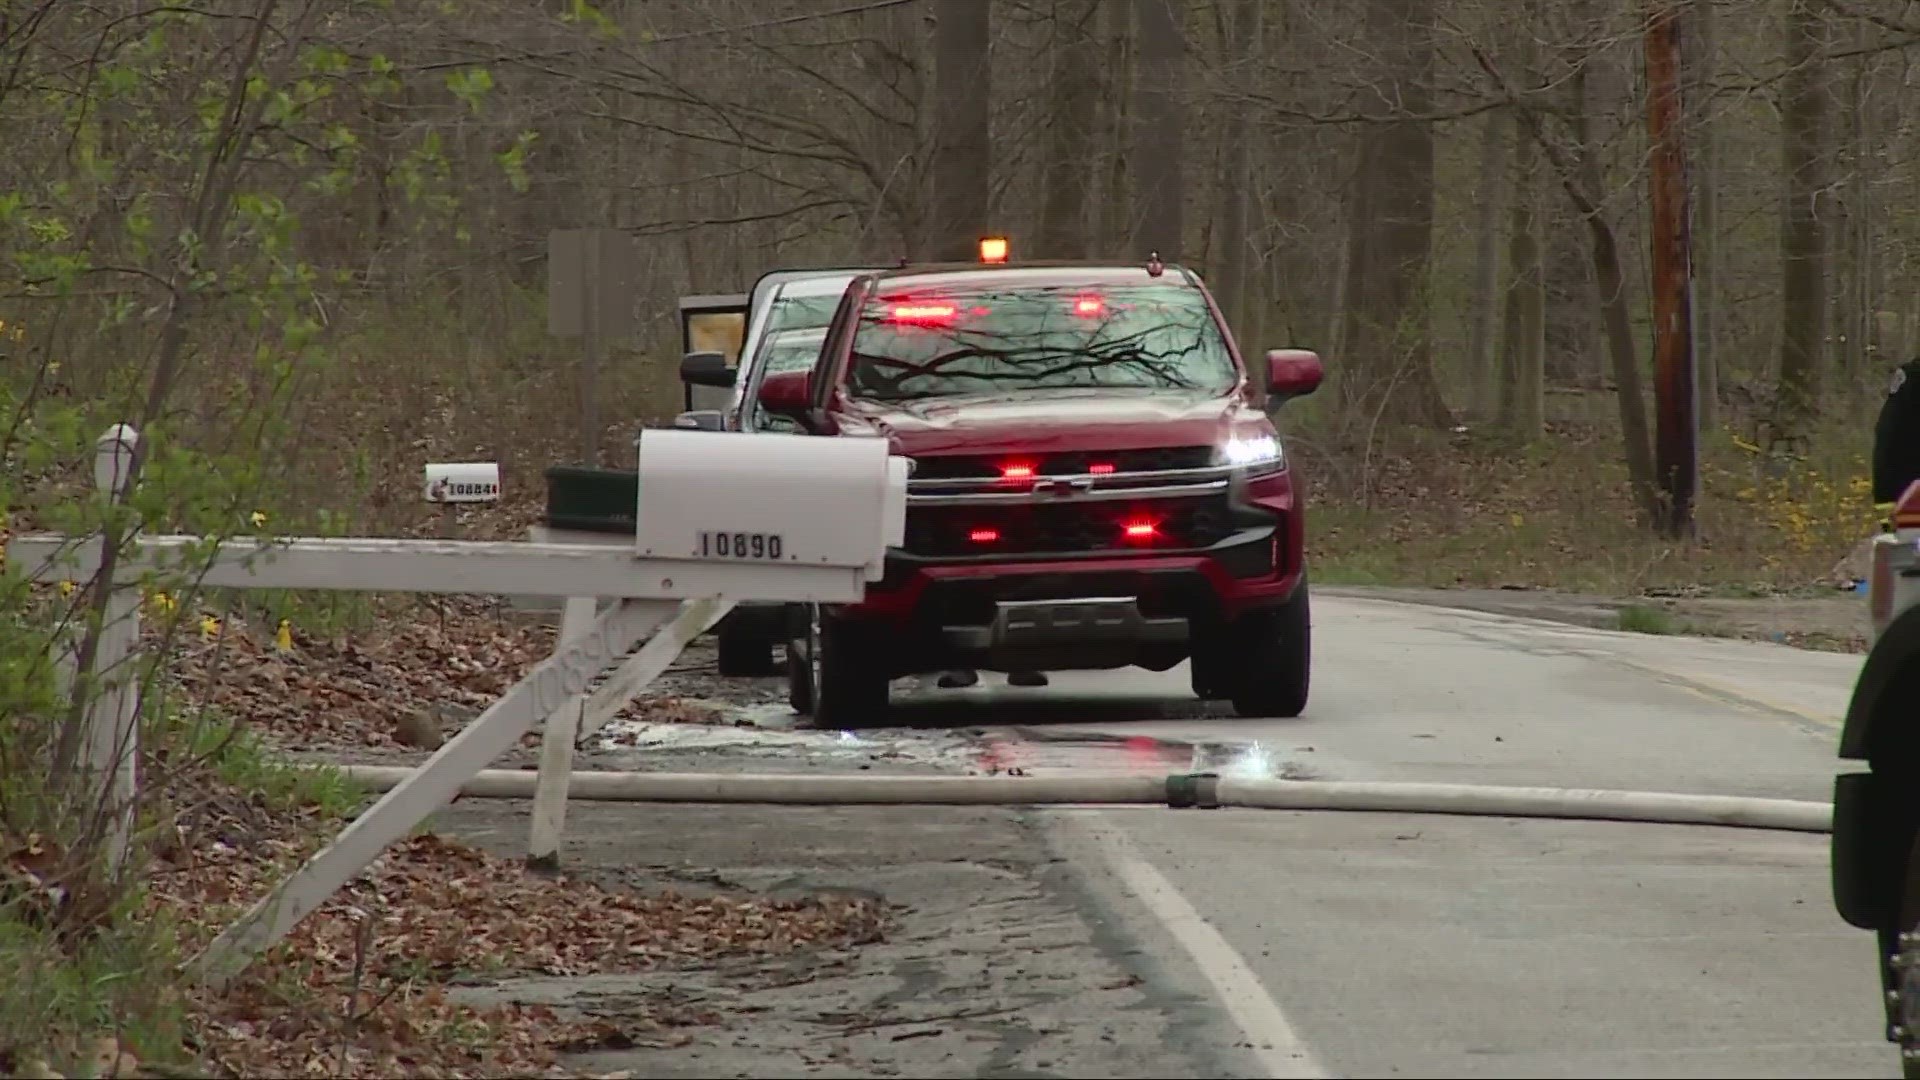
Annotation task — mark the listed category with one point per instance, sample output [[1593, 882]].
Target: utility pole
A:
[[1676, 429]]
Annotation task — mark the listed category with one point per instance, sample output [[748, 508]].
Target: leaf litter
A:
[[360, 987], [361, 690]]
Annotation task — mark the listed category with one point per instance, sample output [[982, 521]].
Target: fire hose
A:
[[1174, 791]]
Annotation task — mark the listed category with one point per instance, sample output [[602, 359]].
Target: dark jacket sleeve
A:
[[1896, 436]]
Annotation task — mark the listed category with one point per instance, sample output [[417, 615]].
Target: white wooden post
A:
[[631, 678], [586, 714], [113, 712], [556, 750]]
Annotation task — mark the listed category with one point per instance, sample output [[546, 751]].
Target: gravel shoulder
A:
[[1830, 623], [997, 958], [995, 962]]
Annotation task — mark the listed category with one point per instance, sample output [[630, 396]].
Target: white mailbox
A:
[[758, 502]]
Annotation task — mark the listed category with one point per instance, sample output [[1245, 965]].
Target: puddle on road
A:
[[770, 730], [1142, 754], [780, 738]]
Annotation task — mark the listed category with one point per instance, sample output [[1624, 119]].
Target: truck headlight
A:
[[1256, 454]]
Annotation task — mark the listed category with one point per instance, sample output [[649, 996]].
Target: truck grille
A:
[[1071, 463], [1067, 528]]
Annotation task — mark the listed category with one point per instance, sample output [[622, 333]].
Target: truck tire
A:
[[836, 675], [1275, 659], [1905, 960], [745, 652]]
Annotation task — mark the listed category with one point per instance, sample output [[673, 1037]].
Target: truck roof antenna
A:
[[1154, 266]]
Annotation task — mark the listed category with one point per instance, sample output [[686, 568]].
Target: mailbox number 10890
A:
[[740, 545]]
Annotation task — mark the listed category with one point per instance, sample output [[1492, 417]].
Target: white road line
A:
[[1272, 1039]]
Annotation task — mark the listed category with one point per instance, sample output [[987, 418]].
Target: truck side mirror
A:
[[787, 393], [1292, 373], [707, 369]]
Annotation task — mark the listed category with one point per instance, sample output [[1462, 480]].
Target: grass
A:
[[1467, 509], [1640, 619], [95, 963]]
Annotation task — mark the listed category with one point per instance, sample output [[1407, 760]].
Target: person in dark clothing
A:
[[1896, 437]]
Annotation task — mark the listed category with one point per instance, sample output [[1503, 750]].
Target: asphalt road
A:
[[1388, 945]]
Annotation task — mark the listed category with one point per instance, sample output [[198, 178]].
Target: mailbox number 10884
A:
[[740, 545]]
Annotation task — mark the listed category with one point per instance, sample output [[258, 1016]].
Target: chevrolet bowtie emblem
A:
[[1062, 488]]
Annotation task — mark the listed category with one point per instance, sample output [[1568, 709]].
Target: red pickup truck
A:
[[1095, 485]]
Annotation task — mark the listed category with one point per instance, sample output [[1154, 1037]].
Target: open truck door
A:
[[712, 323]]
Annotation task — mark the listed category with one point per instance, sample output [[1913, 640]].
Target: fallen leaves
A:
[[360, 988], [355, 689], [407, 681]]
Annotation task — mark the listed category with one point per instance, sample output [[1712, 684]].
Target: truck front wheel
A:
[[1272, 654], [1903, 971], [837, 673]]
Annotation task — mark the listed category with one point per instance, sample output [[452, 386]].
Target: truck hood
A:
[[1091, 419]]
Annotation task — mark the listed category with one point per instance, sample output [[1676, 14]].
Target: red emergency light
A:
[[1089, 306], [1017, 470], [993, 249], [923, 313], [1140, 530], [983, 536], [1101, 468]]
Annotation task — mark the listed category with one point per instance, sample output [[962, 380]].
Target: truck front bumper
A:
[[1090, 620], [1064, 614]]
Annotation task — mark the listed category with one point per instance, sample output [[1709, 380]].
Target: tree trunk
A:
[[897, 64], [1114, 227], [1855, 323], [1706, 213], [1230, 281], [1071, 99], [1583, 181], [1386, 335], [1803, 299], [1159, 132], [1485, 351], [1521, 379], [962, 158]]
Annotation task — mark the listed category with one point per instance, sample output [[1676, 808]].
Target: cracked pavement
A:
[[998, 962]]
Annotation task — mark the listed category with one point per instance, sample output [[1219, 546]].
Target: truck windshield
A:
[[990, 340], [791, 312], [792, 350]]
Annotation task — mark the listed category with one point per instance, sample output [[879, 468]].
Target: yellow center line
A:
[[1727, 694]]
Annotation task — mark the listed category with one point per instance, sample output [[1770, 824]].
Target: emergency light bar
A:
[[993, 249]]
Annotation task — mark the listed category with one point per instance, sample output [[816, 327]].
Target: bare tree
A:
[[1159, 130], [1520, 396], [1386, 334], [1232, 240], [1702, 64], [962, 153], [1495, 194], [1803, 300], [1072, 98]]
